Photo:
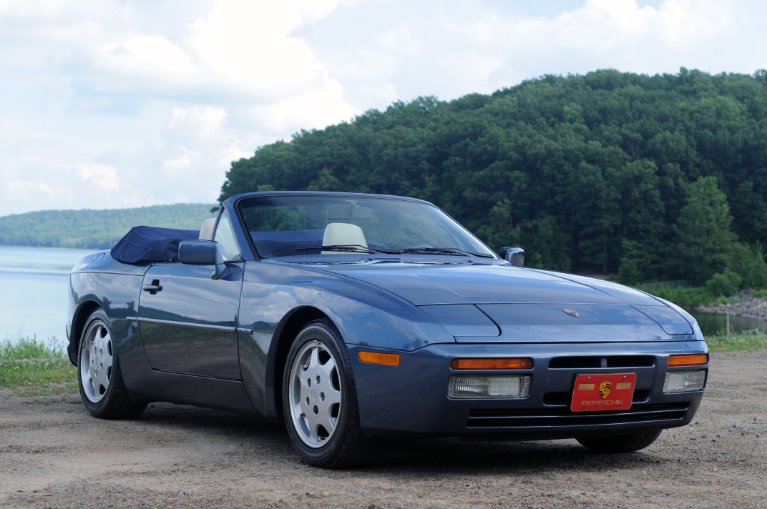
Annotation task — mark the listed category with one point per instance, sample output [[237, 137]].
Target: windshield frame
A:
[[242, 201]]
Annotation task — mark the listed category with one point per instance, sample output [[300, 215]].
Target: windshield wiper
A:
[[341, 248], [359, 248], [453, 251]]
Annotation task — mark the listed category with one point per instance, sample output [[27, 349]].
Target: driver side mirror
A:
[[513, 255], [202, 252]]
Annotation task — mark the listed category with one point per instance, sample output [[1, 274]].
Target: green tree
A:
[[749, 211], [747, 261], [705, 239], [588, 173], [635, 263]]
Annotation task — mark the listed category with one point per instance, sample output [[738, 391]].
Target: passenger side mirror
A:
[[513, 255], [201, 252]]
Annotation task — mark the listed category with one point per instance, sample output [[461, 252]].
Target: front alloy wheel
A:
[[319, 400], [315, 394]]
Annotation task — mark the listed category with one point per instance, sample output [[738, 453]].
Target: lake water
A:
[[33, 296], [718, 323], [33, 292]]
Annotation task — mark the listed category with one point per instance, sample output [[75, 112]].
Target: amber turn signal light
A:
[[384, 359], [521, 363], [688, 360]]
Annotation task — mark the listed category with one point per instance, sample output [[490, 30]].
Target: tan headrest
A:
[[343, 234]]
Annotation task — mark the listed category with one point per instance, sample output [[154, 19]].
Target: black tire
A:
[[104, 396], [630, 442], [344, 445]]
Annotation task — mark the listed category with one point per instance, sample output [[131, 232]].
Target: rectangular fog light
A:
[[684, 381], [476, 386]]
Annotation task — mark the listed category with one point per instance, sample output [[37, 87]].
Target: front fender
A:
[[273, 296]]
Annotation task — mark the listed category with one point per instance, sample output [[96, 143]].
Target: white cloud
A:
[[456, 48], [249, 47], [150, 89], [684, 22], [203, 121], [180, 165], [32, 188], [103, 176], [145, 56], [114, 103], [314, 109]]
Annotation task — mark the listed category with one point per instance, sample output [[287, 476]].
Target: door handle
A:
[[154, 287]]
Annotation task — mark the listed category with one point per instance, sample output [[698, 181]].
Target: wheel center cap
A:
[[314, 395]]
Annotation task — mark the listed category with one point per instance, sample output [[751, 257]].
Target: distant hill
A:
[[95, 229]]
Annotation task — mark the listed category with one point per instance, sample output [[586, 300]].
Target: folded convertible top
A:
[[148, 244]]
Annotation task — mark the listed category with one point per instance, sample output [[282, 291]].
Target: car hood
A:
[[424, 285], [518, 304]]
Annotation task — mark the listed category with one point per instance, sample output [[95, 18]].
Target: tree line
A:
[[94, 229], [648, 177]]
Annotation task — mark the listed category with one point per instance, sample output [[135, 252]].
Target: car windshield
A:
[[291, 225]]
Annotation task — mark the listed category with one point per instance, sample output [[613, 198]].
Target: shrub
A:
[[685, 296], [629, 272], [724, 283], [748, 262]]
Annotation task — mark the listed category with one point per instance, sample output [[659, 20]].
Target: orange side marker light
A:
[[688, 360], [384, 359], [512, 363]]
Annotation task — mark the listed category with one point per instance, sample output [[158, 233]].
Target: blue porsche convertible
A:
[[355, 316]]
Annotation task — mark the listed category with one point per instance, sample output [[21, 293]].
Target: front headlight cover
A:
[[489, 386], [684, 381]]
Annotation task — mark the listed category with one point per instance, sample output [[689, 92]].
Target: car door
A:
[[188, 319]]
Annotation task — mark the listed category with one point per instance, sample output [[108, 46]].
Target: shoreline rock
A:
[[742, 304]]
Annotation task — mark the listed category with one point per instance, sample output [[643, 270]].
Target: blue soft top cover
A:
[[149, 244]]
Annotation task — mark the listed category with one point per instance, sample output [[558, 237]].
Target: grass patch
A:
[[736, 342], [33, 368]]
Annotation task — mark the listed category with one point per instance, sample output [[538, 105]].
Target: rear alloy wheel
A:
[[630, 442], [98, 373], [319, 399]]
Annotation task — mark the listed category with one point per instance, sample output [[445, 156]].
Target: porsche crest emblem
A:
[[571, 312], [605, 388]]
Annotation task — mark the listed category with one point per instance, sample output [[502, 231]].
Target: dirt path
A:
[[53, 454]]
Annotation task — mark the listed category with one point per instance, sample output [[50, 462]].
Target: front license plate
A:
[[596, 393]]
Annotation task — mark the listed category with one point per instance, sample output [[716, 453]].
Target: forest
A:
[[94, 229], [646, 178]]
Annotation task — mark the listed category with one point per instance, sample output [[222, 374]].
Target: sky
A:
[[126, 103]]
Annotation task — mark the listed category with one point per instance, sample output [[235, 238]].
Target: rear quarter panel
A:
[[101, 282]]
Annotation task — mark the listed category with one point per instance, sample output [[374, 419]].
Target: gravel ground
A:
[[53, 454]]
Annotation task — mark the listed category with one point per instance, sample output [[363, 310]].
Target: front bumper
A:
[[413, 397]]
